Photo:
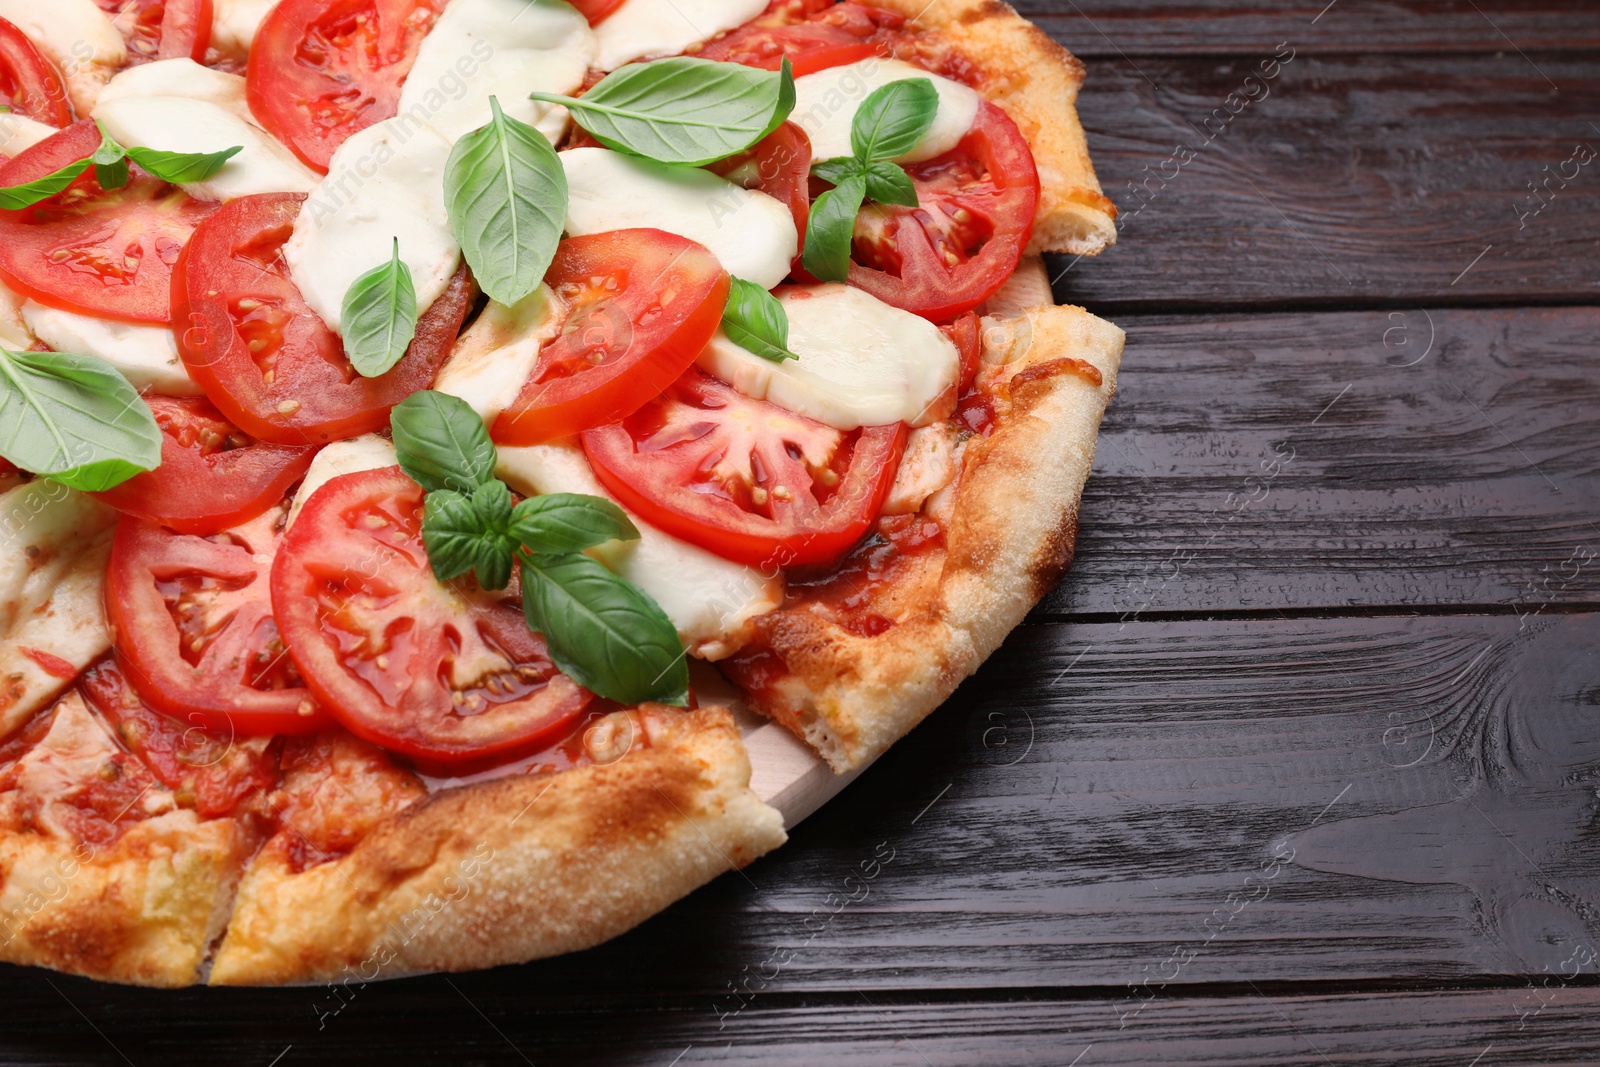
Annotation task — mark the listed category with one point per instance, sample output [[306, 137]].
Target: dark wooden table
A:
[[1301, 765]]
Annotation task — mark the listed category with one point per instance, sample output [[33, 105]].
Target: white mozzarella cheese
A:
[[146, 355], [709, 599], [54, 545], [77, 37], [493, 358], [501, 48], [386, 182], [826, 104], [18, 133], [641, 28], [929, 464], [862, 362], [752, 234], [234, 24], [366, 453], [177, 105], [14, 332]]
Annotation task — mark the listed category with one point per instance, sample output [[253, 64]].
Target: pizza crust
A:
[[513, 869]]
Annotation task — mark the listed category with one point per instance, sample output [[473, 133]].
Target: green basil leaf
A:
[[603, 632], [442, 442], [380, 317], [181, 167], [452, 532], [567, 522], [506, 192], [683, 110], [74, 419], [893, 119], [831, 230], [110, 162], [888, 183], [492, 499], [16, 197], [755, 321], [838, 170]]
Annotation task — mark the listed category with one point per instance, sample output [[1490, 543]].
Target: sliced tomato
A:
[[263, 357], [744, 478], [641, 306], [974, 221], [194, 629], [596, 11], [212, 774], [162, 29], [780, 166], [107, 254], [966, 333], [812, 36], [321, 70], [212, 475], [30, 85], [443, 673]]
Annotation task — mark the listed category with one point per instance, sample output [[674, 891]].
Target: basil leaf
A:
[[683, 110], [16, 197], [452, 531], [567, 522], [506, 193], [181, 167], [755, 321], [380, 317], [74, 419], [604, 633], [888, 183], [838, 170], [442, 442], [831, 230], [110, 162], [893, 119]]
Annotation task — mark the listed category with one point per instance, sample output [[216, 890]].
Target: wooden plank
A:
[[1382, 179], [1305, 461], [1136, 28]]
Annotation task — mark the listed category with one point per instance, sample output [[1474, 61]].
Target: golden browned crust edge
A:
[[1010, 539], [511, 870], [1035, 81]]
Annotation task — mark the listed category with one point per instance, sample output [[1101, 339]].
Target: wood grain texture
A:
[[1348, 179], [1328, 461]]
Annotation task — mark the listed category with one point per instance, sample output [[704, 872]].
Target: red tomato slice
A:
[[780, 166], [975, 219], [263, 357], [162, 29], [744, 478], [107, 254], [444, 673], [29, 83], [966, 333], [596, 11], [212, 476], [212, 774], [641, 306], [194, 628], [813, 36], [321, 70]]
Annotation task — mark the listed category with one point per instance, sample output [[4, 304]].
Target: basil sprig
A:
[[684, 110], [603, 632], [74, 419], [110, 162], [380, 317], [506, 193], [889, 124], [755, 321]]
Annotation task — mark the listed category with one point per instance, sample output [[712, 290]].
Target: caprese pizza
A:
[[417, 417]]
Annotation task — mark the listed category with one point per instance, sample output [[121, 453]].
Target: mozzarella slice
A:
[[929, 464], [177, 105], [642, 28], [386, 182], [19, 133], [501, 48], [710, 600], [234, 24], [366, 453], [14, 332], [826, 104], [146, 355], [862, 362], [77, 37], [750, 232], [52, 593], [494, 357]]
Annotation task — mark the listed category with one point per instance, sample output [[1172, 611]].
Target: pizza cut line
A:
[[437, 435]]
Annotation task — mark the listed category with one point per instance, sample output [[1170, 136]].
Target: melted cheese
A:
[[750, 232], [501, 48], [146, 355], [826, 104], [641, 28], [710, 600], [366, 453], [494, 357], [77, 37], [19, 133], [384, 183], [234, 24], [862, 362], [929, 465]]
